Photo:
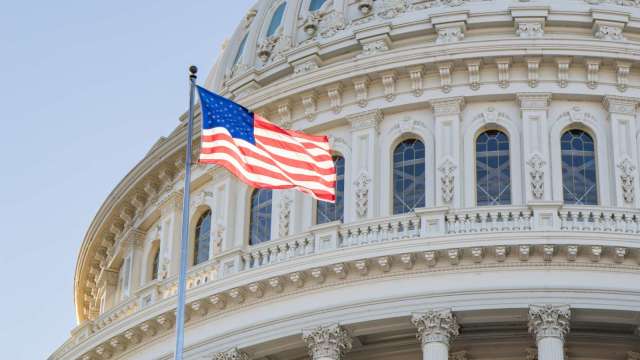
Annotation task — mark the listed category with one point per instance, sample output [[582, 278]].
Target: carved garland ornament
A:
[[362, 193], [627, 169], [447, 169], [285, 215], [536, 171]]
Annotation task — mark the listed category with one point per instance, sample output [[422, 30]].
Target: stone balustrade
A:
[[440, 223]]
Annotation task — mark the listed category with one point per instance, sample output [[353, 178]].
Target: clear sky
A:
[[86, 87]]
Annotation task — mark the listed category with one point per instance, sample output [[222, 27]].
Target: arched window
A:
[[240, 50], [408, 176], [202, 238], [326, 211], [493, 172], [579, 182], [316, 4], [276, 19], [260, 221], [155, 264]]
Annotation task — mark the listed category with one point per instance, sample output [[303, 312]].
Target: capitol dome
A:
[[487, 160]]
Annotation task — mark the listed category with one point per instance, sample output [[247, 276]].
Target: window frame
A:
[[597, 186], [509, 162], [399, 141]]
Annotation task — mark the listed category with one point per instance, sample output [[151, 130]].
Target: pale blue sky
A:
[[86, 87]]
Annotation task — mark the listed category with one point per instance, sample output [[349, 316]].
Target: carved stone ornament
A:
[[536, 171], [504, 65], [266, 47], [335, 96], [627, 170], [248, 18], [607, 31], [549, 321], [593, 67], [309, 101], [362, 193], [374, 47], [232, 354], [361, 87], [305, 67], [473, 68], [218, 237], [415, 74], [450, 34], [330, 342], [332, 23], [392, 8], [447, 168], [530, 29], [436, 326], [311, 23], [563, 71], [622, 75], [285, 215]]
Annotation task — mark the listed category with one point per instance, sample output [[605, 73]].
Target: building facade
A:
[[487, 155]]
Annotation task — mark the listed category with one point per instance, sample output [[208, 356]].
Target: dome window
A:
[[579, 181], [408, 176], [202, 238], [493, 172], [326, 211], [276, 19], [240, 50], [260, 219], [316, 4]]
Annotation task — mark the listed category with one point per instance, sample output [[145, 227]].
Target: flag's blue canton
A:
[[220, 112]]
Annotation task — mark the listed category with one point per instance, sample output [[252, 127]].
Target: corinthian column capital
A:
[[549, 321], [436, 326], [327, 342], [231, 354]]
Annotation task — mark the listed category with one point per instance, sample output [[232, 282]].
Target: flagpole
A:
[[182, 280]]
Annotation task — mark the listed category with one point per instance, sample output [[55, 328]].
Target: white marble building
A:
[[488, 154]]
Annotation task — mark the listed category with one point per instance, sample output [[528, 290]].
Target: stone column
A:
[[436, 330], [327, 343], [448, 149], [535, 144], [231, 354], [364, 164], [549, 324], [622, 123]]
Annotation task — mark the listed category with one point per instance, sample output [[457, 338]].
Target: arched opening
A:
[[493, 170], [408, 176]]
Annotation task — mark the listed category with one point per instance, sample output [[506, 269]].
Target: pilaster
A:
[[170, 210], [447, 114], [622, 113], [549, 324], [364, 165], [436, 330], [327, 343], [534, 110]]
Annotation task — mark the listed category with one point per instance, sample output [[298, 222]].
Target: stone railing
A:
[[196, 276], [379, 230], [119, 311], [582, 218], [278, 251], [494, 219]]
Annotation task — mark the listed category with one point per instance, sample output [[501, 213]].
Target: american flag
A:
[[262, 154]]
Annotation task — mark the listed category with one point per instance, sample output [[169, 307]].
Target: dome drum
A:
[[487, 162]]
